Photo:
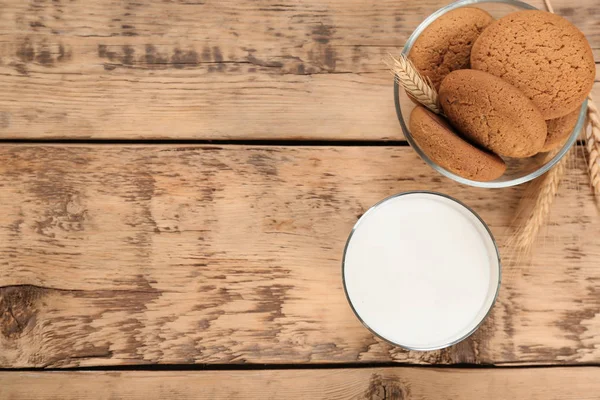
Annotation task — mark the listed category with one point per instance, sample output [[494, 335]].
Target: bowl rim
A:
[[468, 209], [490, 184]]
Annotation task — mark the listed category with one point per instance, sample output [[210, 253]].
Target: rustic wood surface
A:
[[211, 69], [579, 383], [113, 255]]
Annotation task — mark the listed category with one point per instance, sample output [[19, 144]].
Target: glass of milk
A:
[[421, 270]]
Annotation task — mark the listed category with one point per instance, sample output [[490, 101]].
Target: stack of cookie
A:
[[508, 88]]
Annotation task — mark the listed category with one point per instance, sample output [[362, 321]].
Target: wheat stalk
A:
[[407, 75], [592, 138]]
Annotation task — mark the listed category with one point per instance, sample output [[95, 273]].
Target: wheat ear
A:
[[592, 138], [407, 75], [541, 192]]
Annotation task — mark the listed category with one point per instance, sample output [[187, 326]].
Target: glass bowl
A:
[[519, 170]]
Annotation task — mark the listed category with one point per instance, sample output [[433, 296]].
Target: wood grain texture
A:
[[113, 255], [577, 383], [210, 69]]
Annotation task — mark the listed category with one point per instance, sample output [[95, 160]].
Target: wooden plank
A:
[[113, 255], [265, 69], [578, 383]]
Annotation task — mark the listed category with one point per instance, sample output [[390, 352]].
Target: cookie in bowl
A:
[[492, 113], [445, 45], [543, 55], [442, 145], [559, 130]]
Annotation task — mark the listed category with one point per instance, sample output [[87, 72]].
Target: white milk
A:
[[421, 271]]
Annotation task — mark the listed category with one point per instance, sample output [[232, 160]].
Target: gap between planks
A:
[[207, 142]]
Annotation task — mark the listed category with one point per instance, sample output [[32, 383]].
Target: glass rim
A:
[[490, 235], [491, 184]]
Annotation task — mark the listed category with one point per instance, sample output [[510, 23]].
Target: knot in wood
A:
[[386, 388], [18, 308]]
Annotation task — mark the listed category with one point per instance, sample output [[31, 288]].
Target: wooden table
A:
[[178, 179]]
